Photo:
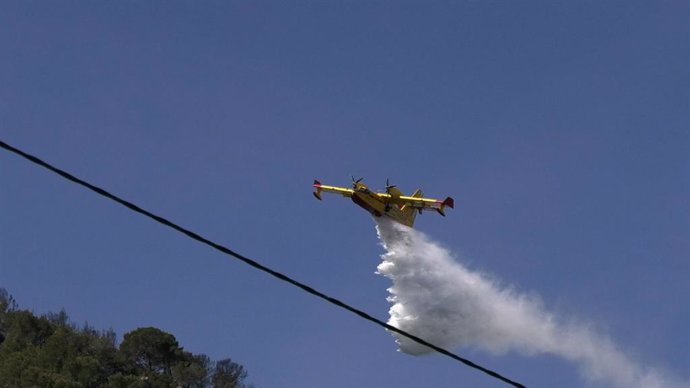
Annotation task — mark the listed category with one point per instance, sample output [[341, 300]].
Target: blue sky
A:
[[561, 130]]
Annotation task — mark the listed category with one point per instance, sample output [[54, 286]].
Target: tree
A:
[[162, 361], [228, 374], [150, 349], [50, 351], [191, 371], [24, 329], [7, 304]]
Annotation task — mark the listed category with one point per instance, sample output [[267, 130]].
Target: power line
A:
[[253, 263]]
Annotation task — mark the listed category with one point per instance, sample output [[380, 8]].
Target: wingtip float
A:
[[392, 203]]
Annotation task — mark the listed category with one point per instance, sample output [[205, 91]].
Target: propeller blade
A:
[[389, 186]]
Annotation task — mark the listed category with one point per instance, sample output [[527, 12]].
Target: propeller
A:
[[389, 186], [355, 181], [388, 190]]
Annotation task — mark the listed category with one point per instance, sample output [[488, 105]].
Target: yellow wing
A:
[[345, 192], [416, 201]]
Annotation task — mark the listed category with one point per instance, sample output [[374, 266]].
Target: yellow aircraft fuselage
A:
[[392, 203]]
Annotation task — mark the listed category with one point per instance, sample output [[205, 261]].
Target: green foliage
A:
[[228, 374], [151, 350], [23, 329], [48, 351], [192, 370], [7, 303]]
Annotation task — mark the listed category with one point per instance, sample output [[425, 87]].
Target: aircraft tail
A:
[[317, 186], [446, 202]]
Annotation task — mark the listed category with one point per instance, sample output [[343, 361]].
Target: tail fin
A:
[[446, 202], [317, 186]]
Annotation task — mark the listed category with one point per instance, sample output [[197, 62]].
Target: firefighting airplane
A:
[[392, 203]]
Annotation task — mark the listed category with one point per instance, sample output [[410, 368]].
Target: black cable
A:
[[254, 264]]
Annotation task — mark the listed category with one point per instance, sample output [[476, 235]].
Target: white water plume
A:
[[438, 299]]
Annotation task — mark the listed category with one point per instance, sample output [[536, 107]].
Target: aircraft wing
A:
[[421, 203], [345, 192]]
